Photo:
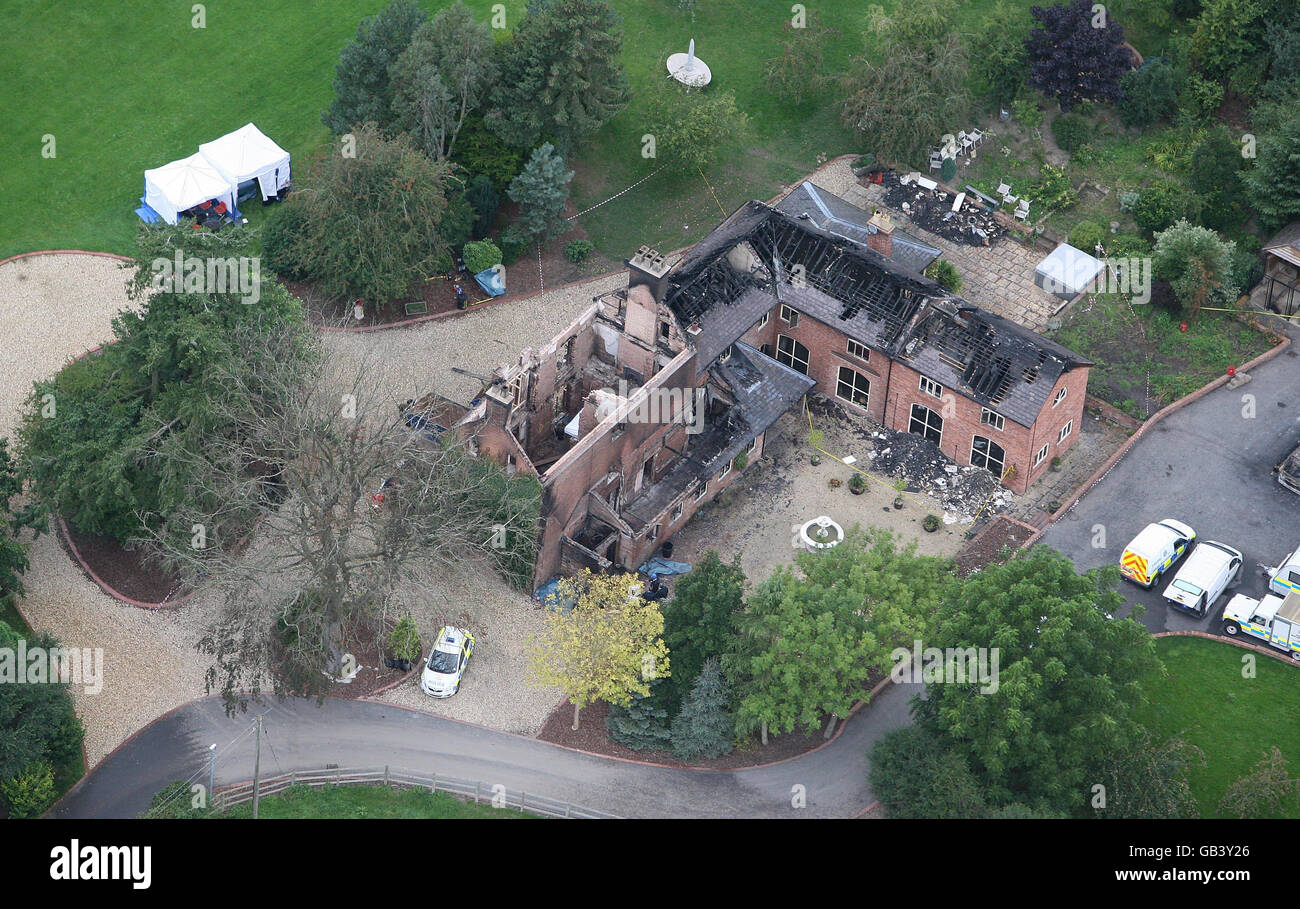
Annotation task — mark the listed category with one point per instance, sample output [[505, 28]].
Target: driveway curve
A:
[[301, 735]]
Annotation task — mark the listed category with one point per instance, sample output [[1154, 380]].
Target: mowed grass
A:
[[367, 802], [1233, 720], [131, 85]]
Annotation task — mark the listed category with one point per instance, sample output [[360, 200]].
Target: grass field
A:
[[132, 85], [367, 802], [1233, 720]]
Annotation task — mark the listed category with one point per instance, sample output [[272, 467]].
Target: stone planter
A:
[[898, 503]]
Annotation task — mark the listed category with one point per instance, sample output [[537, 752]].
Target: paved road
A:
[[1209, 465], [300, 735]]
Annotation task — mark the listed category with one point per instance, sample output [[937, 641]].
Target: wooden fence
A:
[[499, 796]]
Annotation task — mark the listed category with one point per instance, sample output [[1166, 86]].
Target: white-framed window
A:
[[726, 470], [931, 387], [992, 420], [677, 512], [654, 533], [701, 490], [853, 387], [988, 454], [926, 423], [1041, 456], [792, 354], [517, 386], [789, 315], [1065, 432], [1060, 396], [763, 321], [753, 445], [859, 350]]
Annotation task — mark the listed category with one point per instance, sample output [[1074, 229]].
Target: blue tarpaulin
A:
[[492, 280], [664, 567], [549, 595]]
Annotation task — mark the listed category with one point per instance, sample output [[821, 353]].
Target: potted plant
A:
[[404, 644], [857, 484], [930, 523], [1056, 464], [900, 487], [835, 483], [815, 439]]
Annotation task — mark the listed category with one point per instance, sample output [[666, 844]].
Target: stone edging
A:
[[104, 585], [1213, 385], [65, 252]]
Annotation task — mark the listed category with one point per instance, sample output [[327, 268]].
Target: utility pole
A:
[[212, 773], [257, 767]]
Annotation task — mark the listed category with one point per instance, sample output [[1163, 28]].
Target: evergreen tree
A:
[[642, 724], [541, 191], [559, 79], [699, 620], [704, 728], [1273, 184], [362, 89], [483, 199]]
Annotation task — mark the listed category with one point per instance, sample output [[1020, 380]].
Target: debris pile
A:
[[961, 490], [973, 224]]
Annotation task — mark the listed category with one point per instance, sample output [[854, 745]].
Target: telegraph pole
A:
[[257, 767], [212, 773]]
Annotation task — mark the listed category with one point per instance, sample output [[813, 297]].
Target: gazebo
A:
[[1282, 270]]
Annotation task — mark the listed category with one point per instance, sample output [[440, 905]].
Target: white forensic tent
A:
[[247, 154], [175, 187]]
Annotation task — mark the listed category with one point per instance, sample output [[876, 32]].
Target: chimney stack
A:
[[881, 236], [649, 267]]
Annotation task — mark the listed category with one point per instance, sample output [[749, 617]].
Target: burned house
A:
[[653, 400]]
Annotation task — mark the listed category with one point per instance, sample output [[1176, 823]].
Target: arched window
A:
[[926, 423], [988, 454]]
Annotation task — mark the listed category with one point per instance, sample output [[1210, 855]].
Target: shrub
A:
[[1161, 204], [945, 274], [1052, 190], [741, 461], [480, 255], [1198, 263], [642, 725], [1122, 245], [404, 640], [1085, 235], [1200, 98], [29, 793], [280, 237], [1148, 95], [914, 776], [948, 170], [577, 251], [1214, 166], [1071, 131], [1127, 200], [930, 523], [512, 248], [1027, 113], [857, 483], [175, 800]]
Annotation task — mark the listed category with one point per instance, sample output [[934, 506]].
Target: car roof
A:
[[1151, 539], [1206, 560], [450, 639]]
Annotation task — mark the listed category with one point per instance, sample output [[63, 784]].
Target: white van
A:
[[1204, 576], [1152, 551], [1286, 576]]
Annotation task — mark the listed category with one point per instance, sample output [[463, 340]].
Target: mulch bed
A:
[[986, 549], [125, 570], [373, 674], [522, 277]]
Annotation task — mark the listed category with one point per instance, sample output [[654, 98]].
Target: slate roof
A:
[[833, 214], [724, 323]]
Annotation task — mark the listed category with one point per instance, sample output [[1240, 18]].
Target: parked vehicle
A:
[[1209, 570], [1288, 472], [1274, 620], [447, 661], [1286, 576], [1154, 550]]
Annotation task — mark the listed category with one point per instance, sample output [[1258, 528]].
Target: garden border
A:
[[1243, 645]]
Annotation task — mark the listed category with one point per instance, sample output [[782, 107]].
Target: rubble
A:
[[973, 224]]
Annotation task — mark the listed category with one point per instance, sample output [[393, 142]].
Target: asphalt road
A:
[[1208, 465], [301, 735]]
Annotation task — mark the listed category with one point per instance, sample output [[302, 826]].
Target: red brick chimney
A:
[[881, 237]]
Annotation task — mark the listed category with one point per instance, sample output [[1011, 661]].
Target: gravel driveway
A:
[[150, 663]]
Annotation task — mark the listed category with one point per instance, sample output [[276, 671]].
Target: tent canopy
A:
[[247, 154], [175, 187]]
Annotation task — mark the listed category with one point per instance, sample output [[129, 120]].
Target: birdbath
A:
[[821, 533], [688, 69]]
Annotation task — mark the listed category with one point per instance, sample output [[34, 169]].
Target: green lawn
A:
[[131, 85], [1233, 720], [367, 802]]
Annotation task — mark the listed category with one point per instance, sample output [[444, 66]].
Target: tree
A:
[[1215, 166], [13, 553], [797, 72], [690, 128], [1001, 67], [1068, 679], [483, 199], [699, 620], [704, 728], [642, 724], [1148, 95], [1197, 262], [1227, 33], [1284, 66], [372, 224], [1263, 792], [917, 89], [809, 645], [348, 510], [445, 73], [1273, 184], [542, 191], [1148, 779], [559, 75], [1072, 58], [608, 647], [362, 90], [914, 776], [1163, 203], [37, 723]]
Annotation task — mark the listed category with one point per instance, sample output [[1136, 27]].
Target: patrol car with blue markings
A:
[[447, 662]]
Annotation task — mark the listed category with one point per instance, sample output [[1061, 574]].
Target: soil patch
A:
[[986, 549], [127, 571], [372, 675]]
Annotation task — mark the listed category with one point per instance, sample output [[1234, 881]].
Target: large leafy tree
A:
[[1068, 679], [904, 99], [559, 75], [1273, 184], [362, 88], [915, 776], [1147, 778], [1073, 56], [797, 73], [542, 191], [1227, 34], [607, 647], [444, 75], [372, 223], [1001, 66], [699, 620], [692, 127], [1197, 262], [810, 642]]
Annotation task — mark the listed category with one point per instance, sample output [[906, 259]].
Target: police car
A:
[[1154, 550], [1204, 576], [447, 661]]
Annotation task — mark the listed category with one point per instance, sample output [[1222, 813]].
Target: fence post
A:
[[385, 774], [433, 782], [293, 777], [523, 796], [478, 786]]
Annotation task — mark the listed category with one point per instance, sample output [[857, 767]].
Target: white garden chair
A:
[[1022, 210]]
